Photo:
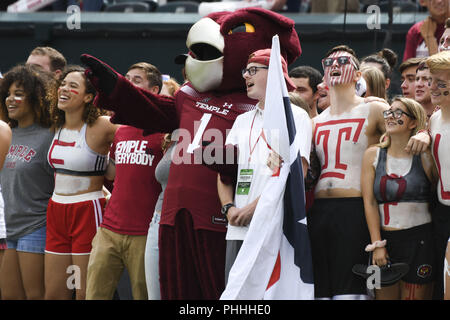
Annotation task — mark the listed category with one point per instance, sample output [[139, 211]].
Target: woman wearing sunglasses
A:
[[396, 188]]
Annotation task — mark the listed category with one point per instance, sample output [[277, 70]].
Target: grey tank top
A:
[[413, 187], [162, 175]]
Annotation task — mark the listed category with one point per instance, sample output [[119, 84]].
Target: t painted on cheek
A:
[[74, 91], [400, 122]]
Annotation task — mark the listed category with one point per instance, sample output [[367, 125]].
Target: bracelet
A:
[[376, 244]]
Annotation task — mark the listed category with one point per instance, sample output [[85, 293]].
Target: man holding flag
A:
[[274, 261]]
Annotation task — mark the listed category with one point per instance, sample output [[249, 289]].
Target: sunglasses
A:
[[252, 70], [397, 114], [342, 61]]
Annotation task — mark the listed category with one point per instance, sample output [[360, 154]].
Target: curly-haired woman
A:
[[27, 180], [79, 155]]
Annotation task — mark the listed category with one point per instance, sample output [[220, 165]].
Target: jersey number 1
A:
[[198, 135]]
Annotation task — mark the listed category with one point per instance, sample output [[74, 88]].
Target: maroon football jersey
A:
[[130, 208], [204, 118]]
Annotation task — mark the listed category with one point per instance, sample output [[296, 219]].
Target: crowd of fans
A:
[[303, 6], [82, 192]]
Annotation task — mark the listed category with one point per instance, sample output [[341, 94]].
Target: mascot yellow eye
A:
[[244, 27]]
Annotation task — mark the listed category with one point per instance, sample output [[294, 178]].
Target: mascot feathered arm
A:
[[131, 105]]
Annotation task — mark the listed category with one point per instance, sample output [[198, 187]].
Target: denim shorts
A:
[[33, 242]]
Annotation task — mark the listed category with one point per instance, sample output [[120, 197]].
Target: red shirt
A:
[[130, 209], [414, 39]]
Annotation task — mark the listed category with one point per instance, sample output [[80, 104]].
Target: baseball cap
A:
[[263, 56]]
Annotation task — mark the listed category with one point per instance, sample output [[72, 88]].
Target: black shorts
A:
[[441, 220], [414, 246], [339, 234]]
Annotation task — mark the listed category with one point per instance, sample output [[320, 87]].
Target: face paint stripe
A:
[[18, 99], [15, 99], [347, 69]]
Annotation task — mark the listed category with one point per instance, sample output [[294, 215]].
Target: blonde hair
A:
[[439, 61], [416, 110], [375, 81], [296, 99]]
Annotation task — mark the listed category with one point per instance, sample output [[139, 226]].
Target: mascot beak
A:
[[204, 64]]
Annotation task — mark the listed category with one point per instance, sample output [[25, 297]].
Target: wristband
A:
[[376, 244]]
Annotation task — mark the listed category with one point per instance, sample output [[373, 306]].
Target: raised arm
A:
[[131, 105]]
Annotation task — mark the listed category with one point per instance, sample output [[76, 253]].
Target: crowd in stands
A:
[[303, 6], [80, 193]]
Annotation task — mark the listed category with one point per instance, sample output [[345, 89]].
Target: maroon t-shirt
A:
[[414, 39], [130, 208]]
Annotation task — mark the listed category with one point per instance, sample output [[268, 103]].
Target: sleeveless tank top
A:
[[70, 154], [413, 187]]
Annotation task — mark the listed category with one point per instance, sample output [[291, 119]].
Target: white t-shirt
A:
[[246, 134]]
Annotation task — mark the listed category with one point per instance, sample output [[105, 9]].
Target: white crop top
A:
[[70, 154]]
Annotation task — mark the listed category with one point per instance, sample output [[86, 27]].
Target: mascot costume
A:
[[192, 229]]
